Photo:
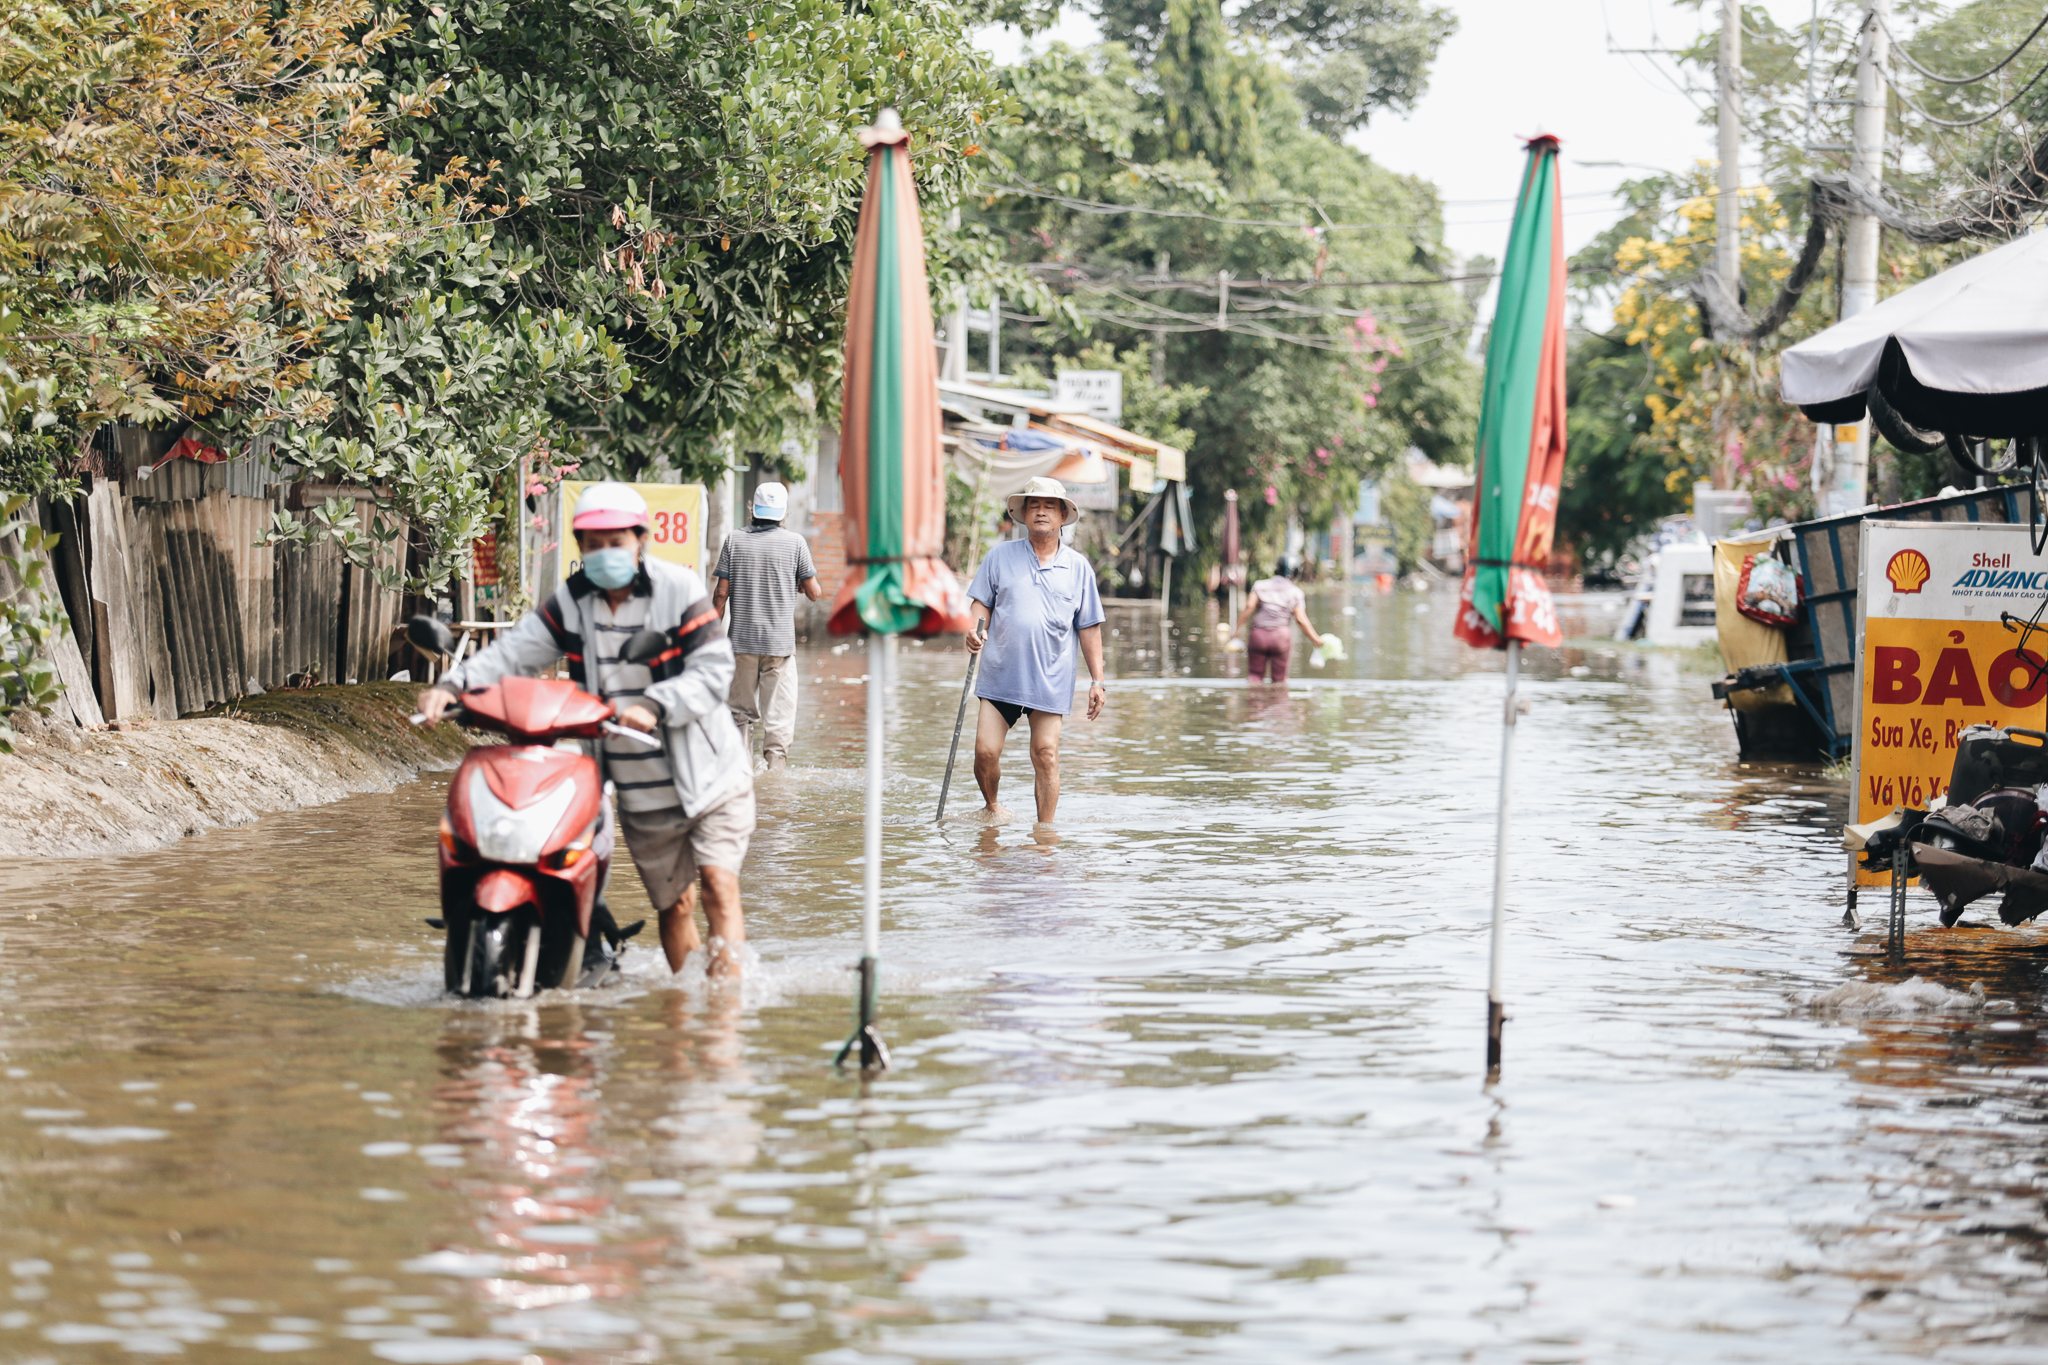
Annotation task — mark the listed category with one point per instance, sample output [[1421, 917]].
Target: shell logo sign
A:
[[1908, 571]]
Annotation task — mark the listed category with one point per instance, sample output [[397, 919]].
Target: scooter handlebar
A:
[[627, 732], [610, 728]]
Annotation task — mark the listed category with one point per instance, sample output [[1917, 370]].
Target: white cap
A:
[[609, 506], [771, 502]]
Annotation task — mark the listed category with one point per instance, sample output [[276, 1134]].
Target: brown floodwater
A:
[[1194, 1078]]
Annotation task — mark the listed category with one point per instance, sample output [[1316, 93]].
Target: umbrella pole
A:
[[874, 1056], [1495, 1014]]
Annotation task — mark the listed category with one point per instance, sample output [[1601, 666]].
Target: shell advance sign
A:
[[1936, 659]]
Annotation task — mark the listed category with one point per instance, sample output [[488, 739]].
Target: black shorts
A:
[[1009, 711]]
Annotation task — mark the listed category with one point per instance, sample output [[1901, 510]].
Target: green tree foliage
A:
[[448, 250], [185, 190], [677, 186], [1315, 382], [1348, 58], [1611, 494], [685, 174], [30, 618]]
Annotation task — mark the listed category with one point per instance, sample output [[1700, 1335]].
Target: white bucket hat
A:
[[771, 502], [1044, 487]]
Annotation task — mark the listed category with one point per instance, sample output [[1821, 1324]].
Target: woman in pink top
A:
[[1275, 605]]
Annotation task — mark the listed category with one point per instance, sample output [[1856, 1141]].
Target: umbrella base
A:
[[874, 1053]]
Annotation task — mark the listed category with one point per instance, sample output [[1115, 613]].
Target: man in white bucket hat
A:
[[687, 808], [1035, 600], [760, 572]]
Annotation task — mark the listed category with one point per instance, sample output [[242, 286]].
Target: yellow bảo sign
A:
[[675, 515], [1936, 658]]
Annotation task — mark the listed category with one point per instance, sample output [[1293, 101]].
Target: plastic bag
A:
[[1330, 648], [1769, 591]]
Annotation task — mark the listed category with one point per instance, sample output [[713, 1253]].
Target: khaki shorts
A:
[[668, 849]]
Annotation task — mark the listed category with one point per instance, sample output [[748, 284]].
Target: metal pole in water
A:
[[1495, 1014], [873, 1055]]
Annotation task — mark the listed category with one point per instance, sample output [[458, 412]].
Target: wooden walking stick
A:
[[966, 691]]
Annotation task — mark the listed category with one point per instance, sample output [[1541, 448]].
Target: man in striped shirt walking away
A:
[[760, 571]]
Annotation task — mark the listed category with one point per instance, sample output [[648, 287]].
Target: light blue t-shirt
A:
[[1034, 611]]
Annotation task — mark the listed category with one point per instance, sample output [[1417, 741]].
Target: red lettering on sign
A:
[[671, 528], [1955, 679], [2015, 679], [1894, 676]]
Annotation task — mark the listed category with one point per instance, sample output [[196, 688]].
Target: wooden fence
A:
[[175, 606]]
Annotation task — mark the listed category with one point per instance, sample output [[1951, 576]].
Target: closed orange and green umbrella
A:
[[1517, 468], [894, 486], [890, 462]]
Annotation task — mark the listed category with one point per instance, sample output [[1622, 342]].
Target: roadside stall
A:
[[1917, 649]]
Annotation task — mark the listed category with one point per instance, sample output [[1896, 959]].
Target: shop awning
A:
[[1124, 447]]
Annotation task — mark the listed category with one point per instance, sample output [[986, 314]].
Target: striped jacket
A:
[[690, 680]]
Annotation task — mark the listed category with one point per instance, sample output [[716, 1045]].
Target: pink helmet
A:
[[609, 506]]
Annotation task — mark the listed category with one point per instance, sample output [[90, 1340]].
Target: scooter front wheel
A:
[[487, 956]]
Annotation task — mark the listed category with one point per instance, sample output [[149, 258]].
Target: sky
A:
[[1520, 67]]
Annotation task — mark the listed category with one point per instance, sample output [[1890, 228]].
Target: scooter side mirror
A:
[[644, 646], [430, 636]]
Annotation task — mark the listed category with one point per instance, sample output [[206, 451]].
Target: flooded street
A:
[[1196, 1079]]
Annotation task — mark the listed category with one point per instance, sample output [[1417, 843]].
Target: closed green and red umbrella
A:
[[895, 490], [1519, 463], [1521, 427], [890, 463]]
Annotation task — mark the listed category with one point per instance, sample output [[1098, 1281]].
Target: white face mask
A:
[[611, 568]]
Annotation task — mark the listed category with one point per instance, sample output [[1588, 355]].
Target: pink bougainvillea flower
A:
[[1372, 400], [1272, 496], [1322, 454]]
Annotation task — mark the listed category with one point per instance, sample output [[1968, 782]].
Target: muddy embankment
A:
[[67, 792]]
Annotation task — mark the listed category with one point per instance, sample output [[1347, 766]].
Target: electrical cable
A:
[[1102, 208], [1908, 101], [1900, 48], [1099, 207]]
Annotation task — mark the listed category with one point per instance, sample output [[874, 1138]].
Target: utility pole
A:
[[1847, 487], [1728, 179], [1728, 207]]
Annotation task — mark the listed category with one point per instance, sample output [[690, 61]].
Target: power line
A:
[[1907, 100], [1207, 283], [2005, 61], [1099, 207], [1103, 208]]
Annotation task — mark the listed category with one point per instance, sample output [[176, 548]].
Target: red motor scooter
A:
[[525, 845]]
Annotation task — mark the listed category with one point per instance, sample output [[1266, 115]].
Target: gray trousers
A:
[[764, 693]]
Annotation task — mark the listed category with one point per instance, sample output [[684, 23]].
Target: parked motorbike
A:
[[1985, 838], [525, 845]]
